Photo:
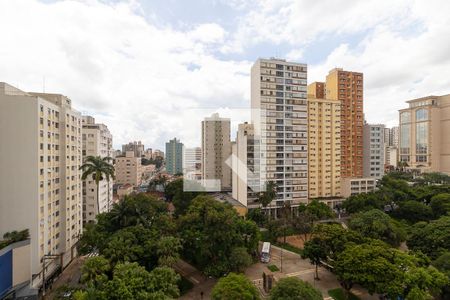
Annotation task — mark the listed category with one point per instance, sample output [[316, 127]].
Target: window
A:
[[405, 117], [421, 114]]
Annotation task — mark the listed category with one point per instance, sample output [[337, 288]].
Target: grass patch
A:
[[339, 294], [273, 268], [184, 285], [289, 247]]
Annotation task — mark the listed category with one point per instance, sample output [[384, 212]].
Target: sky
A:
[[151, 70]]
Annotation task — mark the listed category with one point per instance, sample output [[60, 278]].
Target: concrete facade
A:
[[136, 147], [174, 157], [355, 186], [97, 141], [216, 150], [128, 169], [324, 144], [192, 163], [279, 116], [374, 148], [425, 134], [41, 189], [347, 87], [246, 164]]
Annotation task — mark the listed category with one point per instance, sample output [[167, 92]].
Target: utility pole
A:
[[281, 259]]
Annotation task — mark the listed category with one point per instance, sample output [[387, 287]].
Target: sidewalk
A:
[[202, 284], [70, 276]]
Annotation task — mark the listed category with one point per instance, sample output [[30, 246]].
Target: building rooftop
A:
[[227, 198]]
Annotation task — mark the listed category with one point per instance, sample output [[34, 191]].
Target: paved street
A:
[[294, 265], [202, 284], [70, 276]]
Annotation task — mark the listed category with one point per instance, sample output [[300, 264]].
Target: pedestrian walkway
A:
[[202, 284]]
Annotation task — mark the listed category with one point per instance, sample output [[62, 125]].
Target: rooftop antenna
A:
[[43, 84]]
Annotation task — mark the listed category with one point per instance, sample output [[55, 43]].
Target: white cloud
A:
[[405, 52], [398, 66], [144, 79], [133, 76]]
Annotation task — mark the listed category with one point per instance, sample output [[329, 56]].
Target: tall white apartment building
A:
[[374, 148], [216, 150], [40, 180], [391, 136], [245, 166], [192, 163], [279, 116], [97, 141]]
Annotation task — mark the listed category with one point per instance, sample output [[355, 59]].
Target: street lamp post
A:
[[281, 259]]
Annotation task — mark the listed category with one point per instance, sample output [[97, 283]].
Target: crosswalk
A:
[[307, 271]]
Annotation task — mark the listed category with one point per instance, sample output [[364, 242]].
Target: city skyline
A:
[[142, 67]]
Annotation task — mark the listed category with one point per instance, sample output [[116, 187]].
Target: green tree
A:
[[257, 216], [413, 211], [131, 281], [139, 209], [268, 195], [240, 259], [93, 239], [210, 231], [423, 281], [168, 250], [294, 288], [440, 205], [95, 270], [319, 210], [442, 263], [99, 168], [174, 192], [316, 251], [432, 238], [378, 225], [303, 224], [374, 266], [123, 247], [363, 202], [234, 287], [334, 238]]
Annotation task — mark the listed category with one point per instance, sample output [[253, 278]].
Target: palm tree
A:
[[266, 197], [99, 168]]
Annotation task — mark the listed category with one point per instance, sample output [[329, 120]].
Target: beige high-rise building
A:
[[216, 150], [157, 153], [245, 165], [97, 141], [279, 116], [40, 180], [324, 143], [136, 147], [128, 169], [425, 134], [347, 87]]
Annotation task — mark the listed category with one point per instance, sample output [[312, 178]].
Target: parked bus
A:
[[265, 252]]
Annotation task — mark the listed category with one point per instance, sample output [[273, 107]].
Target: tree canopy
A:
[[378, 225], [431, 238], [386, 271], [211, 230], [234, 287], [294, 288]]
